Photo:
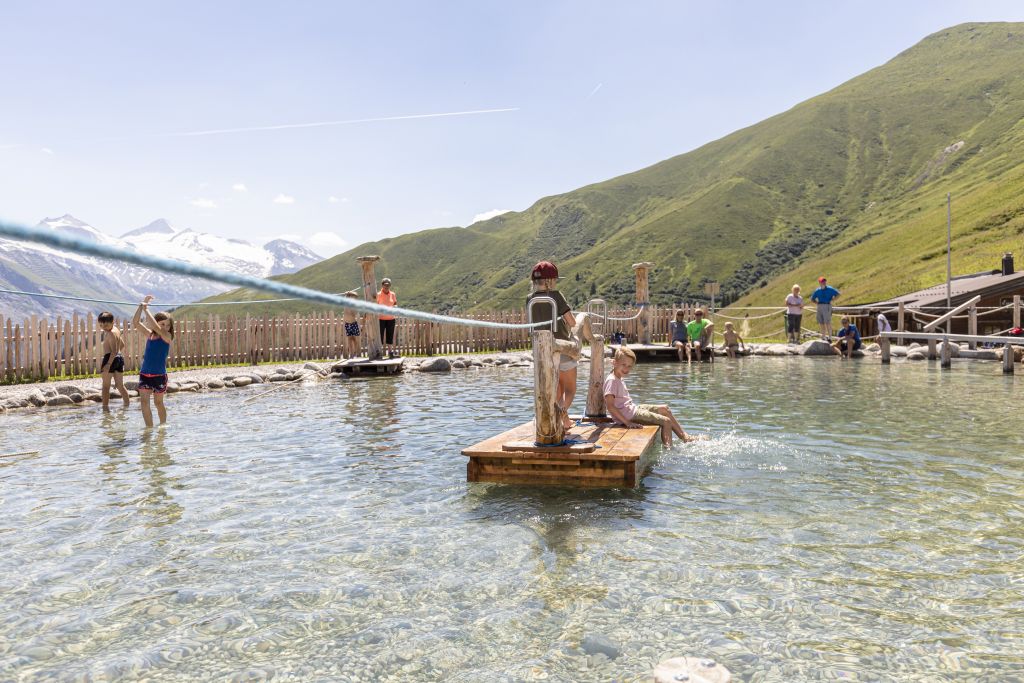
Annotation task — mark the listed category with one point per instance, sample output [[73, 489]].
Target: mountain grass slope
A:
[[851, 183]]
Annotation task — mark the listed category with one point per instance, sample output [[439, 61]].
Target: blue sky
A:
[[97, 98]]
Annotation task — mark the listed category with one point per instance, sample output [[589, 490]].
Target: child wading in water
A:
[[733, 341], [113, 362], [622, 408], [352, 331], [153, 373]]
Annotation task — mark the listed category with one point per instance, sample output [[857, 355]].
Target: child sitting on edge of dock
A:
[[630, 415], [733, 341], [352, 330], [112, 367]]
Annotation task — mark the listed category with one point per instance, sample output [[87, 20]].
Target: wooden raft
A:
[[362, 366], [612, 456]]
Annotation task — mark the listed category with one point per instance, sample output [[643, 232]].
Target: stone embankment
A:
[[77, 392]]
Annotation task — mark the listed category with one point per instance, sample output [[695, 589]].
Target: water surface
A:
[[847, 521]]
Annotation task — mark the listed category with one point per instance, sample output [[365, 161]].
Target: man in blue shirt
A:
[[849, 339], [823, 296]]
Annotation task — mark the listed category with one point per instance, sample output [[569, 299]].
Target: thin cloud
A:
[[344, 122], [487, 215], [284, 199], [327, 243], [239, 187], [46, 150], [202, 203], [337, 200], [594, 91]]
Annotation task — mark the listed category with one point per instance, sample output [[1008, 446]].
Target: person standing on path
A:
[[794, 315], [824, 295], [386, 297]]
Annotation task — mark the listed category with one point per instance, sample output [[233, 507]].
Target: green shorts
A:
[[646, 414]]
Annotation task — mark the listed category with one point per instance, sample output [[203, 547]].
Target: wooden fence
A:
[[37, 349]]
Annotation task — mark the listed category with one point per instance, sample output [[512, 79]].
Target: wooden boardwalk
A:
[[647, 352], [362, 366], [608, 456]]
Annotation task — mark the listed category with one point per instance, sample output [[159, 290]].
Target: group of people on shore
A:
[[847, 339]]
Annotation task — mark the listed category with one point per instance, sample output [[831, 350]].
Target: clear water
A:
[[847, 521]]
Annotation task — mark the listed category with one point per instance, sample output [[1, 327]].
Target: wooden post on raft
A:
[[547, 421], [1007, 360], [643, 299], [547, 414], [593, 329], [373, 348], [884, 344]]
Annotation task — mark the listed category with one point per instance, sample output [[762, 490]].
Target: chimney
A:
[[1008, 263]]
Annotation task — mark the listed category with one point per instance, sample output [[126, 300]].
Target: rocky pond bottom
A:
[[847, 521]]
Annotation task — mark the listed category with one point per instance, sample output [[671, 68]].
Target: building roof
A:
[[962, 288]]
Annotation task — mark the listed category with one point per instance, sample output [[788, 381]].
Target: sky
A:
[[338, 123]]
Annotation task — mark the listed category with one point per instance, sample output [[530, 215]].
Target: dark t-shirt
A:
[[542, 313]]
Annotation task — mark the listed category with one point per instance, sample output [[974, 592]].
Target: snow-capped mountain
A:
[[37, 268]]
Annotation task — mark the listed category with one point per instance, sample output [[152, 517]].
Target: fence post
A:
[[1016, 310], [900, 321], [972, 325]]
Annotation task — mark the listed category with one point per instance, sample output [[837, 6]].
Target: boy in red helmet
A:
[[544, 279]]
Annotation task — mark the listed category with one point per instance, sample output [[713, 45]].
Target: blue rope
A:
[[136, 303], [82, 246]]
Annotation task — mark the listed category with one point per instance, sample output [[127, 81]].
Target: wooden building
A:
[[1001, 289]]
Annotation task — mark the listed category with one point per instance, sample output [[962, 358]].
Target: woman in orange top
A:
[[386, 297]]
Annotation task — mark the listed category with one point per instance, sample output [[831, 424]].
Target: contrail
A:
[[318, 124], [594, 91], [285, 126]]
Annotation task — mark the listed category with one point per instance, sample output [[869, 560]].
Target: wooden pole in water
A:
[[643, 299], [373, 349], [900, 322], [883, 343], [548, 427], [933, 350], [1007, 360], [1016, 310], [946, 354], [972, 325]]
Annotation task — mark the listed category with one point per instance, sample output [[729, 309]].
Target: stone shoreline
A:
[[85, 391]]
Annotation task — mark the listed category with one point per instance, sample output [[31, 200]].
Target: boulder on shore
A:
[[916, 354], [241, 381], [435, 365], [37, 398], [69, 389], [59, 401], [816, 347], [215, 384]]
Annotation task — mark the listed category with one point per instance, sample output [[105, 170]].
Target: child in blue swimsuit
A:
[[159, 331]]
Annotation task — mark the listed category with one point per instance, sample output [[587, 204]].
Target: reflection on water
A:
[[846, 521]]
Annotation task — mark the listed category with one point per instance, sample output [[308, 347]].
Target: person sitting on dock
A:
[[677, 335], [627, 413], [699, 330], [544, 279], [848, 340], [733, 341]]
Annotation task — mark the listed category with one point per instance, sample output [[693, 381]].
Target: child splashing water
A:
[[630, 415], [153, 373]]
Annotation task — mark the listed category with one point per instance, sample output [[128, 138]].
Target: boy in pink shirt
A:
[[627, 413]]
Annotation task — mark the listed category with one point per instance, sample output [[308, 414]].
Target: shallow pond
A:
[[846, 521]]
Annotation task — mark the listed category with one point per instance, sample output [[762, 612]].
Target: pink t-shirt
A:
[[794, 304], [620, 396]]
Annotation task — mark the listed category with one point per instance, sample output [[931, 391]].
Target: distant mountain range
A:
[[36, 268], [851, 183]]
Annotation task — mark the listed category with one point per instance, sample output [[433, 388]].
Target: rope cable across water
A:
[[82, 246]]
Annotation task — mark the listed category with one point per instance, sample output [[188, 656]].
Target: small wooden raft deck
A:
[[362, 366], [610, 456]]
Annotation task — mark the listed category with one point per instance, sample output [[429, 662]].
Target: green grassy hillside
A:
[[851, 183]]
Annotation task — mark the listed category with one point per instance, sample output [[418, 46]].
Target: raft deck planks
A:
[[362, 366], [619, 460]]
